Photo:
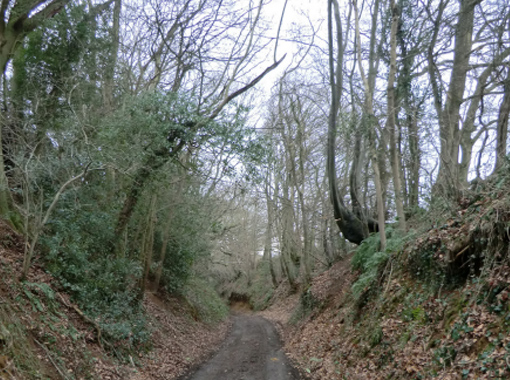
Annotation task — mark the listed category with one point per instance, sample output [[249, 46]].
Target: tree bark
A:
[[502, 126], [268, 245], [146, 250], [352, 228], [288, 246], [448, 181], [394, 151], [406, 98], [368, 119]]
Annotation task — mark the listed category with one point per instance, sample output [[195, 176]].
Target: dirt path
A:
[[252, 351]]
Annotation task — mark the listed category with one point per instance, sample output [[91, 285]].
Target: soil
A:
[[252, 351]]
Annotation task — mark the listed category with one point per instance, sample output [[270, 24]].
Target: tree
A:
[[391, 120], [184, 31], [457, 134], [17, 20], [352, 227]]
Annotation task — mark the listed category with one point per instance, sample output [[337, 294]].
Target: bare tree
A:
[[351, 226], [370, 120], [391, 118]]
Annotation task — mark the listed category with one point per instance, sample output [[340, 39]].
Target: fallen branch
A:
[[48, 353], [85, 318]]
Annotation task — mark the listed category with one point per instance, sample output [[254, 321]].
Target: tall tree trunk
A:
[[352, 228], [164, 247], [268, 245], [5, 194], [300, 184], [394, 151], [288, 247], [355, 175], [147, 245], [406, 99], [448, 181], [502, 126], [369, 119]]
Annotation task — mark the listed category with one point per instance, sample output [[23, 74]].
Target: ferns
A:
[[369, 260]]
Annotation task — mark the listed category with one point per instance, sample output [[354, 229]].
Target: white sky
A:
[[297, 17]]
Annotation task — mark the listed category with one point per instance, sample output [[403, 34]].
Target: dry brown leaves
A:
[[335, 343], [179, 341]]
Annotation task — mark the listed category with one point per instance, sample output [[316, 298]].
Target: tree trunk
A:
[[164, 246], [5, 194], [502, 126], [147, 245], [448, 181], [268, 245], [394, 151], [352, 228], [141, 177], [368, 119], [288, 248], [300, 183]]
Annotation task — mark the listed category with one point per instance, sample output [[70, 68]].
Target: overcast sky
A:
[[297, 18]]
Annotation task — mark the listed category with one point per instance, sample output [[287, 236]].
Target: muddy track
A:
[[251, 351]]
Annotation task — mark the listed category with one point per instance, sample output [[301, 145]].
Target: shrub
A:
[[77, 253]]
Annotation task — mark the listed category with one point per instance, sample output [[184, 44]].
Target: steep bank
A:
[[436, 307], [44, 334]]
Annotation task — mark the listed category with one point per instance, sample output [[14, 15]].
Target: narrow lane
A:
[[252, 351]]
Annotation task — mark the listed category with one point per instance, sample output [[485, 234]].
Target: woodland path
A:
[[251, 351]]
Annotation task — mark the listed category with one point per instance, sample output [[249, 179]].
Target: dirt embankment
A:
[[43, 334], [425, 316], [179, 342]]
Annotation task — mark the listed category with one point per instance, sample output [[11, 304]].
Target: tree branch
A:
[[242, 90]]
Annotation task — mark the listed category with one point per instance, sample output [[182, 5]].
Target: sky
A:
[[297, 17]]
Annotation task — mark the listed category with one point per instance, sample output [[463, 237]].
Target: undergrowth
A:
[[261, 290], [370, 261], [306, 306], [104, 286], [205, 301]]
